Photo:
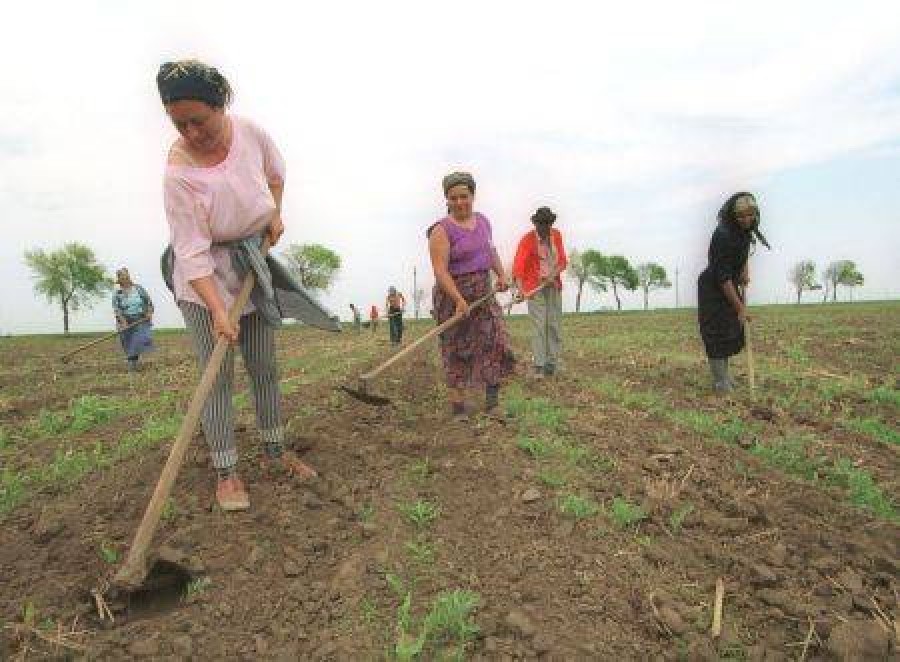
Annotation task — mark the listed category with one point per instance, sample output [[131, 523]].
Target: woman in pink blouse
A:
[[223, 182]]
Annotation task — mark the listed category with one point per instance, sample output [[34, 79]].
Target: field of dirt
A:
[[593, 524]]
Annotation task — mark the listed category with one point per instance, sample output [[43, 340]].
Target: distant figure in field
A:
[[721, 309], [395, 304], [357, 318], [540, 259], [373, 318], [476, 350], [131, 304]]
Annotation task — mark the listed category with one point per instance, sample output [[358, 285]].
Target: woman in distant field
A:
[[394, 304], [223, 183], [132, 304], [721, 309], [475, 351]]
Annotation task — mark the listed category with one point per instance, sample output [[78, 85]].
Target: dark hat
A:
[[543, 215]]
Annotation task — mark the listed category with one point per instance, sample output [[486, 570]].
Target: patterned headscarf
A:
[[743, 201], [192, 80], [457, 178]]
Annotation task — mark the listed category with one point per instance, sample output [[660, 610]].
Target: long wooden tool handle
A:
[[751, 372], [133, 570], [97, 341], [431, 334]]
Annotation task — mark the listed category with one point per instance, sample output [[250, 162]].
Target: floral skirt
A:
[[475, 351]]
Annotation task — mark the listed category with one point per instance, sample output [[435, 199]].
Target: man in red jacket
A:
[[540, 259]]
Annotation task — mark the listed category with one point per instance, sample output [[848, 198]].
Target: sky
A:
[[633, 121]]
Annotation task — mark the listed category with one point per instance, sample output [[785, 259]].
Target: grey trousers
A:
[[545, 311], [257, 344]]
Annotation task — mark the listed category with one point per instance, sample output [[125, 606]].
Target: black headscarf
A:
[[192, 80], [726, 215]]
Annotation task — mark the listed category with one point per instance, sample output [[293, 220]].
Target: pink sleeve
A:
[[188, 228], [273, 162]]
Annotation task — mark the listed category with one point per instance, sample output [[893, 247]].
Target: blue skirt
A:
[[137, 340]]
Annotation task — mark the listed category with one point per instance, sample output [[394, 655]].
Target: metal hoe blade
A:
[[362, 394]]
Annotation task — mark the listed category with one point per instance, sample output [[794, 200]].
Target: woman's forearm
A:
[[276, 186], [206, 288], [497, 264]]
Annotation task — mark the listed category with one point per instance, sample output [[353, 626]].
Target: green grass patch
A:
[[449, 622], [108, 553], [864, 492], [420, 551], [551, 478], [678, 516], [790, 455], [885, 395], [539, 412], [875, 429], [626, 514], [12, 490], [420, 513], [536, 448], [577, 506]]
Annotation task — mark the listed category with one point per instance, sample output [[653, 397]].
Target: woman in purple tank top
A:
[[475, 351]]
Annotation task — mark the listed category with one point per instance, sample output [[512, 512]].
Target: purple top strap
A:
[[470, 250]]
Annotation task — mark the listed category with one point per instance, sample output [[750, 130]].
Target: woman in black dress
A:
[[721, 311]]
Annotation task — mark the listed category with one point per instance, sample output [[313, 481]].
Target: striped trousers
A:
[[257, 345]]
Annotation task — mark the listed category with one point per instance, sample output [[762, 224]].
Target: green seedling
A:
[[577, 506], [420, 513], [551, 478], [109, 554], [420, 551], [536, 448], [197, 586], [676, 519], [626, 514]]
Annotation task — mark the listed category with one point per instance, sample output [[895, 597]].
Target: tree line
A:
[[604, 272], [840, 272], [72, 277]]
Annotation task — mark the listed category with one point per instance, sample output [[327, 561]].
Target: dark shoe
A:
[[549, 370]]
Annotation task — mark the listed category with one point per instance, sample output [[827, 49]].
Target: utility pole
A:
[[676, 286], [415, 294]]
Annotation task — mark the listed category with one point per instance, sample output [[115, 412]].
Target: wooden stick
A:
[[134, 570], [809, 635], [717, 608], [751, 373], [97, 341], [413, 345]]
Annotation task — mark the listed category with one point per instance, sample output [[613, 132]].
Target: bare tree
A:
[[803, 277], [651, 276]]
